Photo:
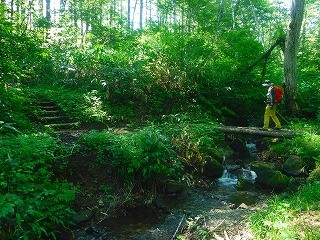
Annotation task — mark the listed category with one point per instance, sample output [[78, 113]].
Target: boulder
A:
[[83, 216], [174, 187], [294, 165], [212, 168], [244, 184], [217, 154], [314, 175], [227, 151], [242, 173], [240, 148], [214, 152], [272, 179], [258, 166]]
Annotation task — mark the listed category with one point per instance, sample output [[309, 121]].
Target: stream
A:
[[220, 205]]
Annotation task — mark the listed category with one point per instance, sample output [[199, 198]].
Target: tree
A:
[[290, 56], [48, 11]]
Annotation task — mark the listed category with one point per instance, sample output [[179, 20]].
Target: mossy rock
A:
[[217, 154], [294, 165], [240, 148], [226, 150], [212, 168], [272, 179], [174, 187], [244, 184], [258, 166], [314, 175]]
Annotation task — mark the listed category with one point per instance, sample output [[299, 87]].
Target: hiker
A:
[[271, 107]]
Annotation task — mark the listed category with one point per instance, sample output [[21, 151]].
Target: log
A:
[[283, 133]]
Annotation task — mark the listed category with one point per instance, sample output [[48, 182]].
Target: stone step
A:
[[59, 126], [54, 119], [48, 103], [49, 107], [50, 113]]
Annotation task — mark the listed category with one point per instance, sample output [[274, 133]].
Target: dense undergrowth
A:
[[168, 87], [35, 202]]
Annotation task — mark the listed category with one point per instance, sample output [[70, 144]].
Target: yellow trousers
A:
[[271, 113]]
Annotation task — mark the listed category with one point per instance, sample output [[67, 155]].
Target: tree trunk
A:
[[63, 6], [40, 4], [48, 14], [141, 14], [290, 56], [129, 14]]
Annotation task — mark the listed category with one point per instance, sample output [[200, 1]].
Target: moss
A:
[[212, 168], [258, 166], [273, 179], [314, 175]]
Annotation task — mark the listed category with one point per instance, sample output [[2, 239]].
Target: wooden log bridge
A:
[[283, 133]]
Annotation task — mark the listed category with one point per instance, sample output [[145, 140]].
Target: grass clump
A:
[[293, 217]]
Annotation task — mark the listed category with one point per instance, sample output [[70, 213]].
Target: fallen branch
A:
[[175, 233]]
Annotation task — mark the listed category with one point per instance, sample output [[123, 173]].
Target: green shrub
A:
[[15, 108], [153, 153], [146, 154], [97, 143], [306, 145], [32, 203], [194, 141], [314, 174]]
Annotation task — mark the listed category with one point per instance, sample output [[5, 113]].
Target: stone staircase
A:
[[51, 116]]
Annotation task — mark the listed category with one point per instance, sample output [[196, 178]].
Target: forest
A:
[[111, 116]]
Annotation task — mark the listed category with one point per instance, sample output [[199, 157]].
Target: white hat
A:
[[267, 83]]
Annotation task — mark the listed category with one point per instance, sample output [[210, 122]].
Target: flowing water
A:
[[150, 223]]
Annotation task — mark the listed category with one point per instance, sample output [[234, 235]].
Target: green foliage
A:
[[144, 154], [194, 66], [285, 218], [76, 103], [309, 97], [15, 107], [22, 60], [158, 159], [108, 194], [32, 203], [153, 153], [160, 71], [307, 145], [315, 173], [4, 127], [193, 142]]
